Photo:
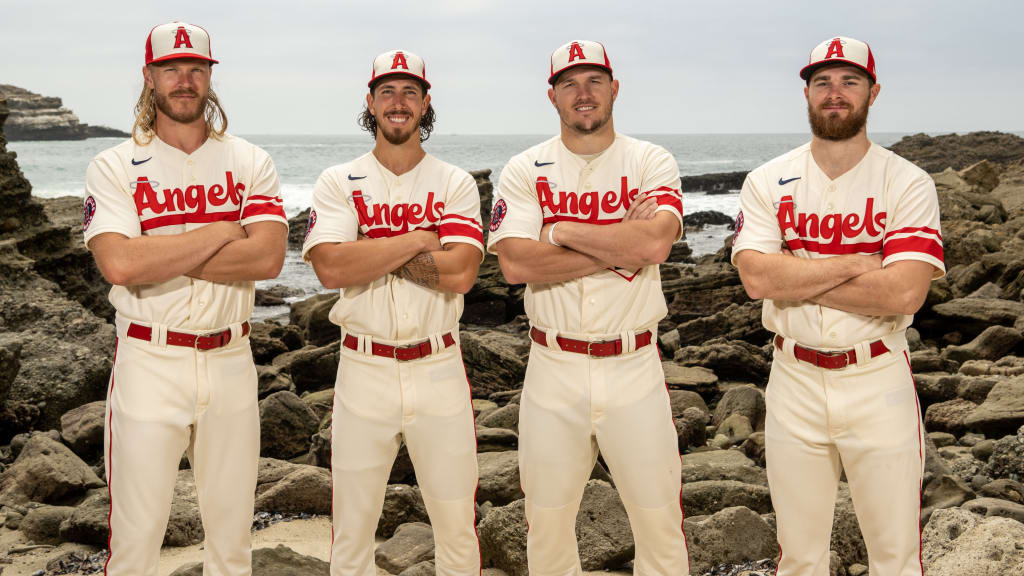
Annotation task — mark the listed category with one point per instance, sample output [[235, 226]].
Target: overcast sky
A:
[[685, 67]]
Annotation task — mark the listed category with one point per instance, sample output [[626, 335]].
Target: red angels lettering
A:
[[195, 197], [826, 233], [217, 196], [189, 205], [396, 219], [145, 197], [181, 38], [584, 206], [835, 49], [576, 51], [234, 190], [399, 62]]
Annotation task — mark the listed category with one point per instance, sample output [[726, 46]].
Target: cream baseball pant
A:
[[571, 406], [378, 402], [864, 419], [162, 401]]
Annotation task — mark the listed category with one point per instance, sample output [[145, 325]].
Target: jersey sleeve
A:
[[912, 227], [460, 221], [757, 227], [109, 202], [263, 202], [516, 212], [332, 218], [661, 179]]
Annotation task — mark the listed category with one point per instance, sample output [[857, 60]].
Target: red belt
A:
[[400, 353], [596, 349], [831, 360], [197, 341]]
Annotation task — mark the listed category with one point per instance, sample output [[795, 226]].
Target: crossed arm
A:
[[643, 237], [218, 252], [855, 283], [417, 257]]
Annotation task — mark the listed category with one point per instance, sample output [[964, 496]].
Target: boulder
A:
[[709, 496], [496, 440], [42, 525], [992, 344], [1007, 459], [721, 465], [696, 378], [847, 540], [82, 429], [269, 340], [411, 544], [272, 379], [735, 322], [1002, 412], [402, 504], [502, 534], [506, 417], [286, 425], [492, 301], [746, 401], [320, 402], [946, 491], [277, 561], [499, 477], [306, 489], [980, 506], [949, 416], [959, 543], [311, 317], [958, 151], [1004, 489], [425, 568], [297, 229], [974, 315], [46, 471], [495, 361], [733, 359], [734, 430], [87, 524], [691, 428], [733, 535], [311, 368], [928, 360], [683, 399]]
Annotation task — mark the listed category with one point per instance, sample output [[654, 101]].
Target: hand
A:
[[429, 240], [642, 207], [871, 262], [231, 230], [545, 233]]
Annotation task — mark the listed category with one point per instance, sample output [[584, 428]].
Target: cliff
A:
[[36, 117]]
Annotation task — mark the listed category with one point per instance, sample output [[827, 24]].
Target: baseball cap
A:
[[178, 40], [398, 62], [844, 50], [578, 53]]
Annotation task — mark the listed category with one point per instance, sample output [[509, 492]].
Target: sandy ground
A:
[[309, 537]]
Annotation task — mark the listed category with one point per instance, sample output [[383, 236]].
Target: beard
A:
[[829, 126], [400, 135], [587, 126], [186, 116]]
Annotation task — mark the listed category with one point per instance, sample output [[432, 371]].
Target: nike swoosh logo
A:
[[137, 162], [538, 163], [784, 182], [351, 177]]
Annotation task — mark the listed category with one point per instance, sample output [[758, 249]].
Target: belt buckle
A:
[[830, 355], [195, 343], [408, 347], [590, 345]]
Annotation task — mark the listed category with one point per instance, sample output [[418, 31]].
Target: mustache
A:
[[185, 92]]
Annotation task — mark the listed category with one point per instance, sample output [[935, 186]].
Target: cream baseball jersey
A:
[[883, 205], [363, 197], [157, 189], [549, 183]]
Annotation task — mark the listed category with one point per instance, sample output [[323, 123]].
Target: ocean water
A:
[[58, 169]]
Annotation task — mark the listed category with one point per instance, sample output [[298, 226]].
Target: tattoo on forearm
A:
[[422, 270]]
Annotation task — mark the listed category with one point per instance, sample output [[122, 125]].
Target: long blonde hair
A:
[[145, 117]]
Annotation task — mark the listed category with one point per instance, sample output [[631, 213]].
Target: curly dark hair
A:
[[367, 122]]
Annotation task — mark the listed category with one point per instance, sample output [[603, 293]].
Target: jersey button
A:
[[592, 301]]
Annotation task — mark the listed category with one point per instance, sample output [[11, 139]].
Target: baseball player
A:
[[398, 231], [181, 219], [584, 219], [840, 237]]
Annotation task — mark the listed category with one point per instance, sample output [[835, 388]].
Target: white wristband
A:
[[551, 235]]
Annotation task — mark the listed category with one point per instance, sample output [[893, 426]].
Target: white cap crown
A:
[[178, 40], [841, 50], [398, 62], [578, 53]]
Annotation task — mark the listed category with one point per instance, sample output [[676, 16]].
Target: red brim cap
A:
[[841, 50], [398, 62], [578, 53]]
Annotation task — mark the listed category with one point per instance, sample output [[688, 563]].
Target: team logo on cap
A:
[[399, 62], [309, 225], [576, 51], [498, 214], [182, 38], [88, 212]]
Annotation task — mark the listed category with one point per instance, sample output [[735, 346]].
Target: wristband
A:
[[551, 235]]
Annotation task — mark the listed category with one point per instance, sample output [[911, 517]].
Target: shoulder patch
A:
[[739, 223], [309, 225], [88, 211], [498, 214]]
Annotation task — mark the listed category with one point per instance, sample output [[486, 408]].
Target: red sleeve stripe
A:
[[189, 218], [461, 217], [911, 230], [671, 202], [264, 199], [661, 189], [830, 248], [261, 209], [913, 244], [460, 230]]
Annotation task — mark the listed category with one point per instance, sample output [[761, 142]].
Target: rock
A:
[[306, 489], [425, 568], [1004, 489], [35, 117], [958, 151], [702, 290], [82, 429], [847, 540], [753, 447], [735, 322], [974, 315], [286, 425], [945, 492], [930, 361], [959, 543], [492, 301], [320, 445], [691, 428], [983, 450], [277, 561], [683, 399], [734, 430], [495, 361], [981, 506], [320, 402], [311, 368], [496, 440], [411, 544], [942, 438], [502, 534], [46, 471], [272, 379], [505, 417], [297, 229], [1007, 459], [949, 416], [992, 344], [732, 535], [1010, 190], [714, 183], [987, 290], [696, 378], [42, 525], [743, 400], [1007, 366], [88, 523], [976, 388], [734, 359], [269, 340], [402, 504], [602, 528], [710, 496], [499, 477], [937, 387], [1002, 412], [680, 253], [721, 465], [276, 295], [310, 316]]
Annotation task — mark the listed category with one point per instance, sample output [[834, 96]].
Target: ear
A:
[[551, 96], [147, 76], [807, 93], [615, 89], [875, 88], [426, 101], [369, 103]]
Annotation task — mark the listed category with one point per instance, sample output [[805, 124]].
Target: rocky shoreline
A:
[[36, 117], [967, 352]]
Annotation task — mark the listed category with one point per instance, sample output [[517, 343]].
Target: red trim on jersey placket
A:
[[261, 209], [627, 278], [913, 244], [921, 456], [476, 448], [189, 218], [109, 456], [910, 230]]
